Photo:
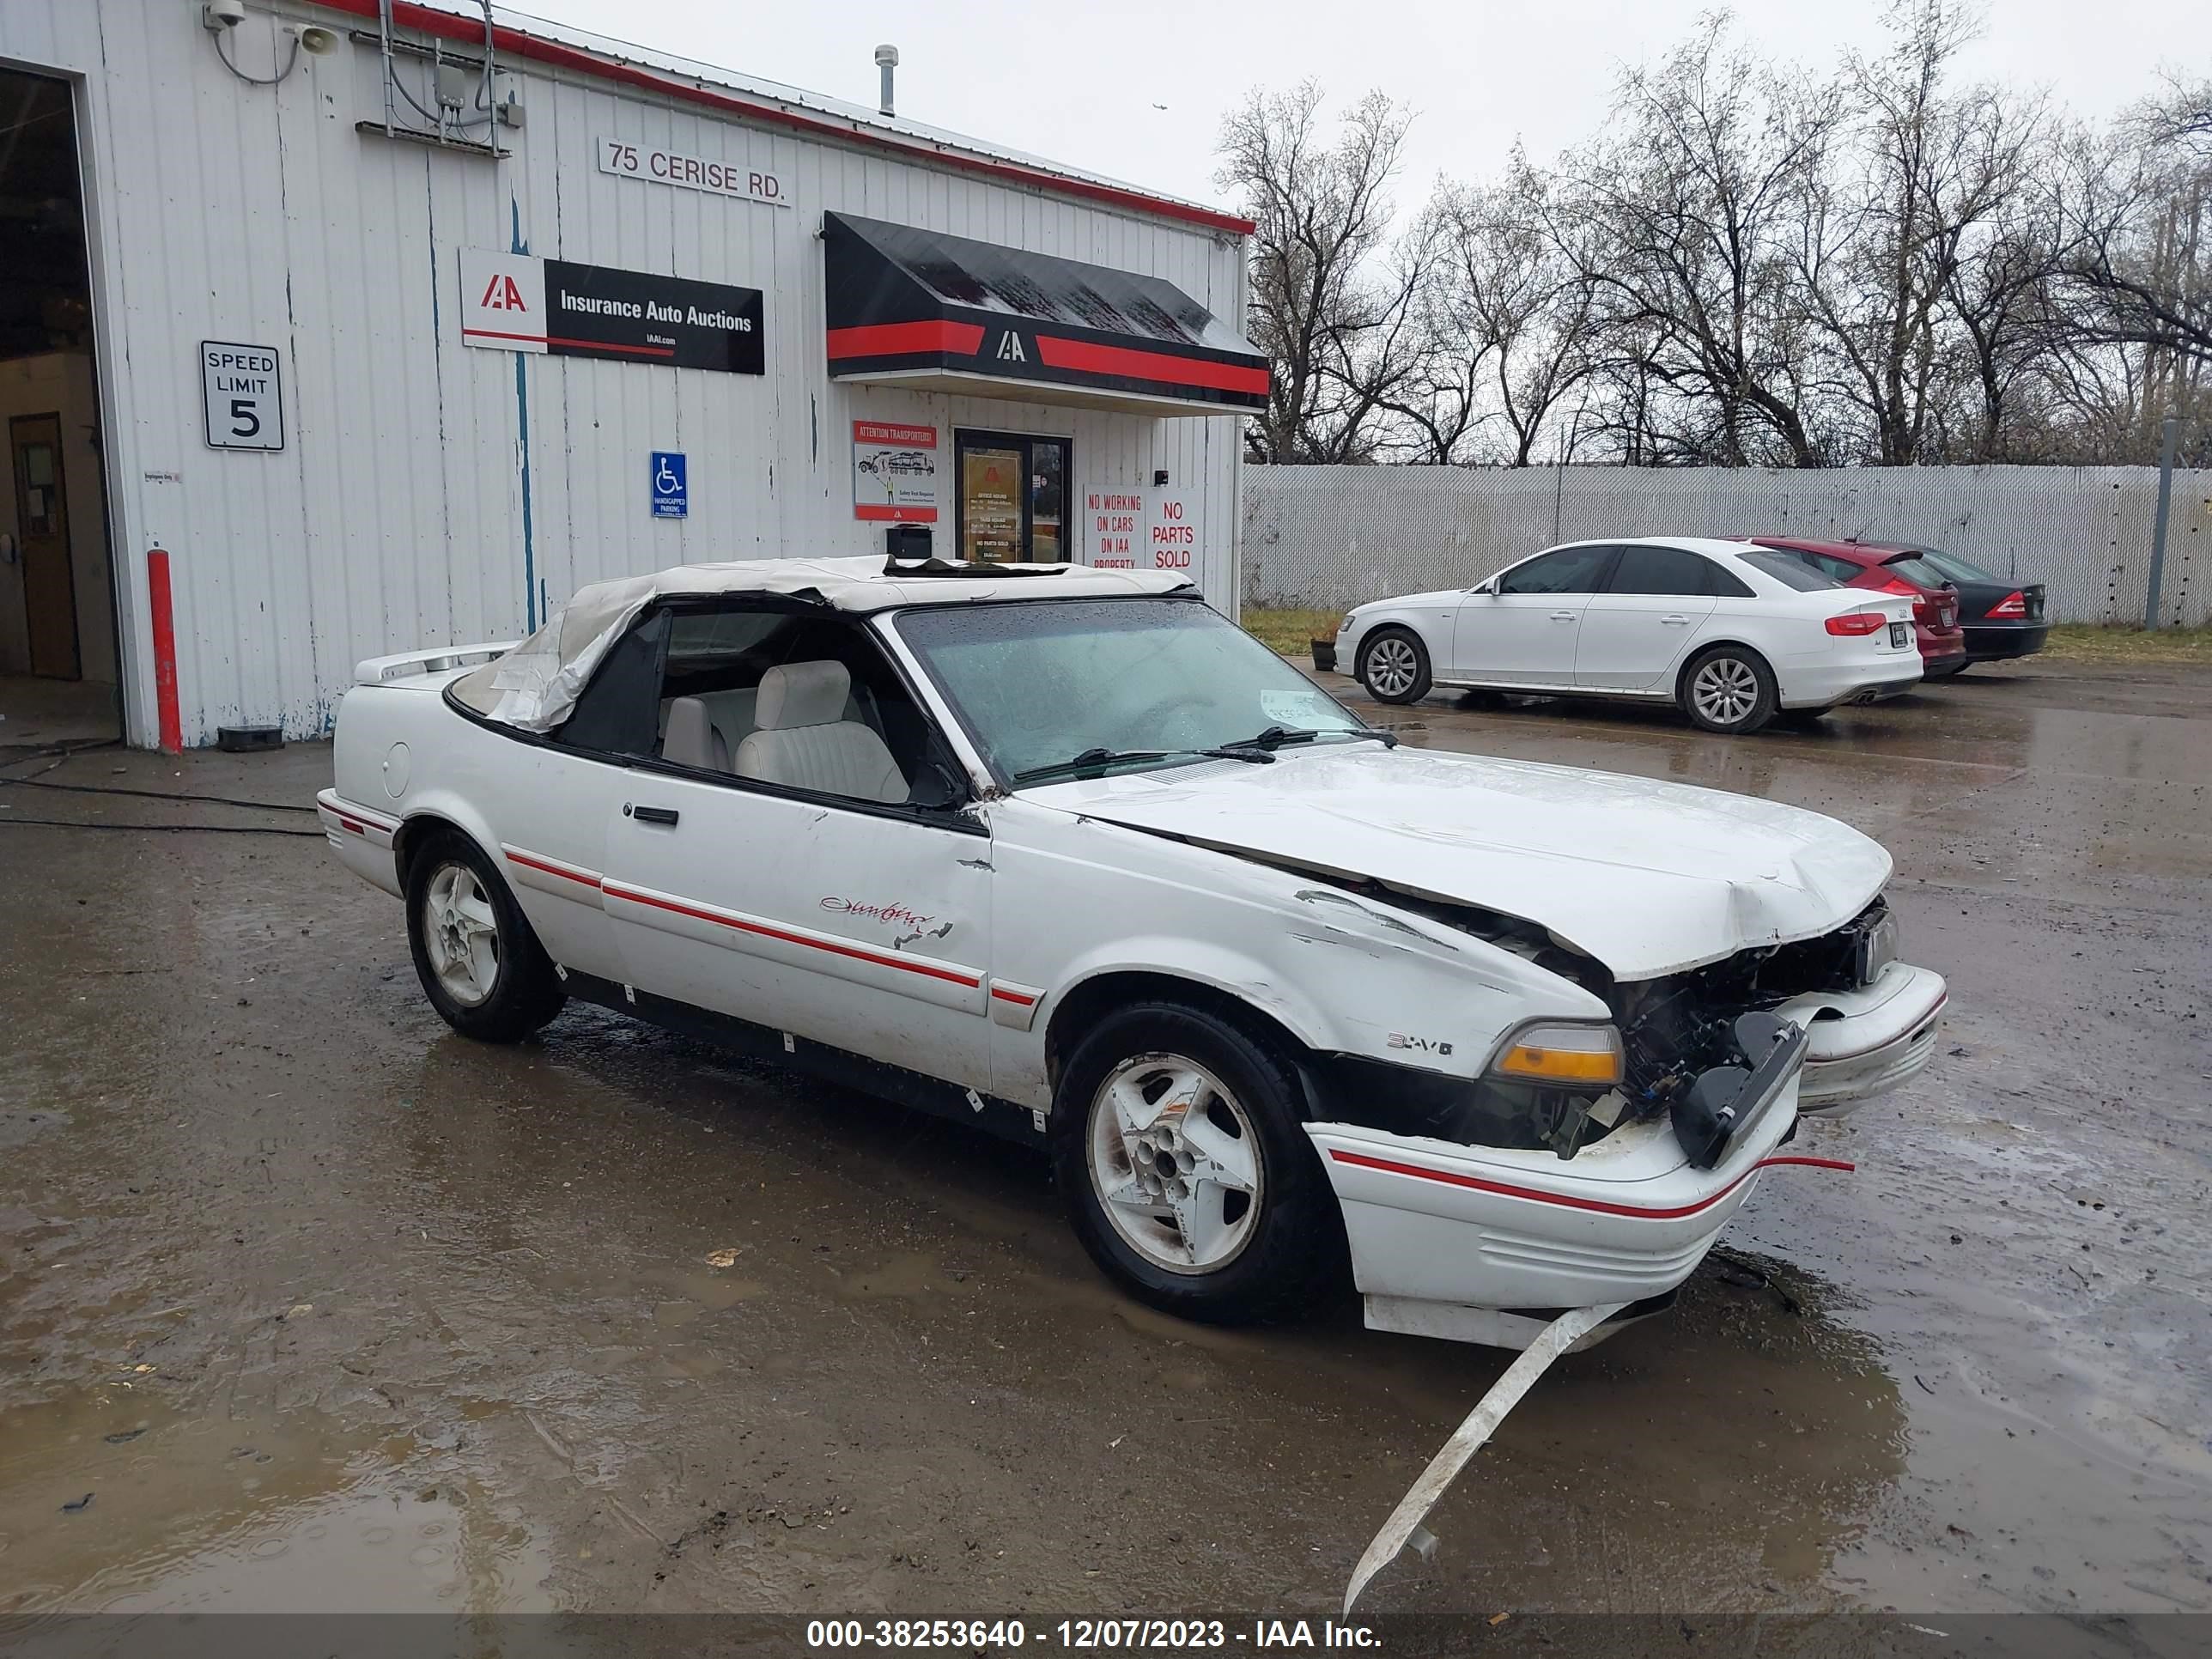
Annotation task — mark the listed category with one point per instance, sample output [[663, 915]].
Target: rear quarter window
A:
[[1786, 569]]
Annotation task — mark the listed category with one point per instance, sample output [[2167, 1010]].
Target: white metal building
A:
[[381, 349]]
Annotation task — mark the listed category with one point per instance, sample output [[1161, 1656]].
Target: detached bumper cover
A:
[[1476, 1227], [1866, 1043]]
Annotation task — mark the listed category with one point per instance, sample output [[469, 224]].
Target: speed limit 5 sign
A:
[[241, 395]]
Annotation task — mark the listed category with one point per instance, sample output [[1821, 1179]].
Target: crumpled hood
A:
[[1649, 878]]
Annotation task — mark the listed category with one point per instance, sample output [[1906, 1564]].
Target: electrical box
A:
[[457, 85]]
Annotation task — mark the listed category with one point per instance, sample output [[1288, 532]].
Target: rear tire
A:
[[1729, 690], [480, 964], [1176, 1140], [1394, 666]]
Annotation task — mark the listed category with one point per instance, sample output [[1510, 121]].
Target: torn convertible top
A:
[[535, 685]]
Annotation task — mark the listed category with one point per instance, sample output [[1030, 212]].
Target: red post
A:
[[165, 652]]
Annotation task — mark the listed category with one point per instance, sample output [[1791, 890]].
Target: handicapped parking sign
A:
[[670, 497]]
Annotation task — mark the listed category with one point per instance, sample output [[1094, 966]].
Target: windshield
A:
[[1954, 568], [1063, 687]]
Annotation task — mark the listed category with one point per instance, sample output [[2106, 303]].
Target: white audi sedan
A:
[[1065, 854], [1735, 633]]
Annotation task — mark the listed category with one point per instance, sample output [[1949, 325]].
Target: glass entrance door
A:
[[1013, 498]]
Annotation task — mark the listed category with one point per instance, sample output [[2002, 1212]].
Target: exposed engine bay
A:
[[1675, 1031]]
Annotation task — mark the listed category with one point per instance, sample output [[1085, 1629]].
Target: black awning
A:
[[914, 305]]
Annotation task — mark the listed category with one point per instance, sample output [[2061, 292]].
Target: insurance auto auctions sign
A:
[[516, 303], [894, 472]]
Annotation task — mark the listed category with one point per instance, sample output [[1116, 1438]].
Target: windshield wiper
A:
[[1269, 740], [1090, 758], [1266, 743]]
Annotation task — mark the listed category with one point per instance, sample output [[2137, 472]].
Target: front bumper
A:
[[1480, 1244], [1867, 1042]]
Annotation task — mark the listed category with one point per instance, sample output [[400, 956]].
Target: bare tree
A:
[[1884, 246], [1519, 305], [1750, 265], [1685, 223], [2140, 260], [1336, 330]]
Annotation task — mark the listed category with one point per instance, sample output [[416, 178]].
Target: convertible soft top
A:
[[533, 686]]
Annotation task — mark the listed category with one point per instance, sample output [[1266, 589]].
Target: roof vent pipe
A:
[[886, 61]]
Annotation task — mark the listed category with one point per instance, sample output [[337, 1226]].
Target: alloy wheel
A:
[[461, 930], [1725, 690], [1392, 666], [1174, 1159]]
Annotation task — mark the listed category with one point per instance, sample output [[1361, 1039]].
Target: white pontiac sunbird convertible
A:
[[1065, 853]]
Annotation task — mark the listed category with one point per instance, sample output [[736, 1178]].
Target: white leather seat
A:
[[691, 739], [704, 730], [805, 742]]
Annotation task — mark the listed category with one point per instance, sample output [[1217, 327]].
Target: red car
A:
[[1892, 569]]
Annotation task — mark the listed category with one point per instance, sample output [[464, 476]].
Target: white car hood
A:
[[1649, 878]]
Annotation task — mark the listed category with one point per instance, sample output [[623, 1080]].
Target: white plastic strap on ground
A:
[[1481, 1423]]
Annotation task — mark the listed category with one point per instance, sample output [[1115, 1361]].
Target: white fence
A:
[[1329, 538]]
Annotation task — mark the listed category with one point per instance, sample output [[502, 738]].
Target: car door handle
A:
[[1563, 615], [1677, 620], [651, 814]]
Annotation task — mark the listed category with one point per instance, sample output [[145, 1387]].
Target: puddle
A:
[[204, 1514]]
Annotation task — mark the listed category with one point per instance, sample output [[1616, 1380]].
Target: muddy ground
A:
[[306, 1303]]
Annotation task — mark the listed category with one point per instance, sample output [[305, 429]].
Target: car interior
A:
[[802, 702]]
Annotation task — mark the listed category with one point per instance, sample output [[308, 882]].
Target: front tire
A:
[[480, 964], [1176, 1139], [1394, 666], [1729, 690]]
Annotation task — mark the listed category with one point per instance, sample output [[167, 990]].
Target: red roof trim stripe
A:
[[895, 339], [1128, 363], [516, 43]]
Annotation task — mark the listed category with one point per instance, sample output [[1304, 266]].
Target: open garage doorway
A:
[[57, 630]]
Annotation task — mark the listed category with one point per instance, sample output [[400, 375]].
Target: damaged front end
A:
[[1700, 1048]]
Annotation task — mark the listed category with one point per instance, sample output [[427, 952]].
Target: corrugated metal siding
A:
[[396, 515]]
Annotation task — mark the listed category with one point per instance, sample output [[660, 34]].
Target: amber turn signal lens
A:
[[1575, 1056]]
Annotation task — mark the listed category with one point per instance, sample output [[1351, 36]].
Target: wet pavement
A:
[[305, 1301]]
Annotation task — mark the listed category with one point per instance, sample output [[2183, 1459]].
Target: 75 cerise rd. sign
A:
[[668, 167]]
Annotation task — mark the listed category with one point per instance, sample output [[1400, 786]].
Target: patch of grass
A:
[[2116, 642], [1291, 632]]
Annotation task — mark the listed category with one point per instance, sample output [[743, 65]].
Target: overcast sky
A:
[[1079, 84]]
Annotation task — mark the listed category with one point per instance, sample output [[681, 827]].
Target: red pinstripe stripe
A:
[[1005, 995], [346, 810], [905, 964], [582, 878], [1596, 1205]]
